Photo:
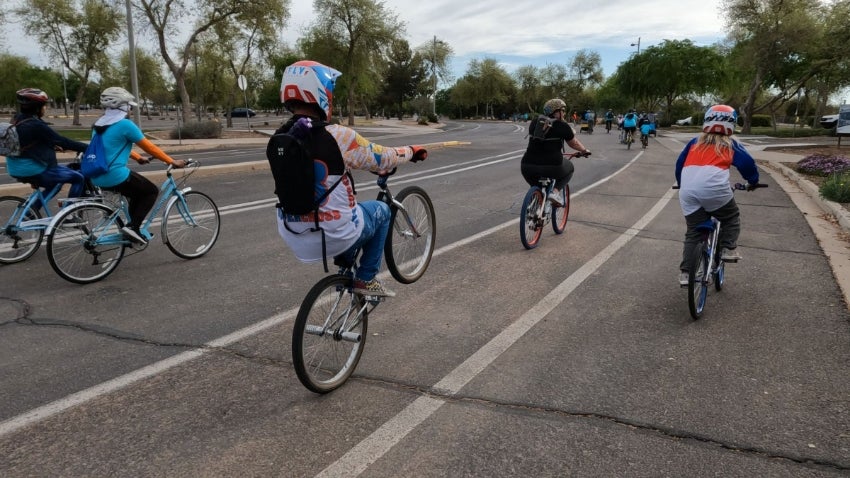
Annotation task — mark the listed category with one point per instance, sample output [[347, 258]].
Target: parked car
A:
[[829, 121], [684, 121], [242, 112]]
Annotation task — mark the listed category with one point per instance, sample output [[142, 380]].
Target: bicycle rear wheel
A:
[[86, 243], [412, 236], [191, 224], [17, 245], [560, 214], [698, 281], [530, 224], [329, 334]]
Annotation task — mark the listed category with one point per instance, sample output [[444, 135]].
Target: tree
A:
[[352, 36], [404, 75], [163, 17], [436, 56], [75, 32], [529, 88], [776, 42], [16, 72], [484, 83]]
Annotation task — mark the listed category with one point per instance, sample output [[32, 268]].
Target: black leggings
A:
[[141, 195], [561, 173]]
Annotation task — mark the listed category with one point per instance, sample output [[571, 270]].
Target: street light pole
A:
[[134, 74], [197, 80], [637, 59]]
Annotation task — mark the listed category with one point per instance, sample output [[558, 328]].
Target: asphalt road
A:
[[578, 358]]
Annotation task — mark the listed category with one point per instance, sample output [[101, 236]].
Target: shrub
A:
[[836, 188], [432, 118], [760, 120], [198, 130], [823, 165], [422, 121]]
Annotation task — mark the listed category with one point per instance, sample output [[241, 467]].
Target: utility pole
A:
[[434, 74], [134, 74]]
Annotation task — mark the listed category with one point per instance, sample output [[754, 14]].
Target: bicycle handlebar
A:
[[577, 154], [748, 187]]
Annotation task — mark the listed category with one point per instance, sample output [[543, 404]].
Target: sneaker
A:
[[730, 255], [373, 287], [683, 278], [74, 220], [555, 198], [133, 235]]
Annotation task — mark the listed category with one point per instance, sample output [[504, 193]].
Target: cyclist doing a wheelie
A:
[[349, 225], [702, 173], [544, 156]]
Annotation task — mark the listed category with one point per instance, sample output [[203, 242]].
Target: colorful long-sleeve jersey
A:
[[336, 149], [702, 174]]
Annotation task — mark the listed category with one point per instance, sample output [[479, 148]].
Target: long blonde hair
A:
[[721, 142]]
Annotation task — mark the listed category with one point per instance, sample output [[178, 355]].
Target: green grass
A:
[[84, 134]]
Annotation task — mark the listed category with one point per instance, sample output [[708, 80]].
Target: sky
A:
[[514, 32]]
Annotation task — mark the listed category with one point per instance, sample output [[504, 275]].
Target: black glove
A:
[[419, 154]]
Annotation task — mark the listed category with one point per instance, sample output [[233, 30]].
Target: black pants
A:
[[561, 173], [141, 195], [730, 228]]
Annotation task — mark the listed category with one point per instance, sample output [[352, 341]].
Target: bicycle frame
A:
[[169, 192], [17, 220], [339, 312], [386, 196]]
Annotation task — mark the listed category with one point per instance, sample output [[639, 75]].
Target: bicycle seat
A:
[[31, 180], [706, 226]]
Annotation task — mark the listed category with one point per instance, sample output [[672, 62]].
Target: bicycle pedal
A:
[[374, 299]]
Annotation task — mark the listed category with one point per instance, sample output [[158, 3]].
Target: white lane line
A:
[[373, 447], [53, 408]]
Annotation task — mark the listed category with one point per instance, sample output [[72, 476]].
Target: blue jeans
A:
[[376, 224], [60, 175]]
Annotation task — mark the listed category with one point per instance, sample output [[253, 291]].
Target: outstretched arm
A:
[[157, 153], [360, 153]]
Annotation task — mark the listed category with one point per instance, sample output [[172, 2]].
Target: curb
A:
[[808, 187]]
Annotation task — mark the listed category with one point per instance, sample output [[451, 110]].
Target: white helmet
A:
[[720, 119], [115, 97], [311, 83]]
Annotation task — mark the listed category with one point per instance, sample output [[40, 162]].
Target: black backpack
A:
[[539, 127], [293, 169]]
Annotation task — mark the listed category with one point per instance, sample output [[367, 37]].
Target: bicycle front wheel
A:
[[17, 244], [560, 214], [530, 223], [412, 235], [86, 243], [329, 334], [191, 224], [698, 281]]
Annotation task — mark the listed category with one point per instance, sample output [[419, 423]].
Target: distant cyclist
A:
[[544, 156], [609, 119], [37, 162], [645, 128], [630, 122], [702, 173]]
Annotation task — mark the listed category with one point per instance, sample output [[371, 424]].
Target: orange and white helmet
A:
[[31, 96], [720, 119], [309, 82]]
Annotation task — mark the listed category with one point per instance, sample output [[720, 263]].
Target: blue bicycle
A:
[[85, 242], [23, 221], [705, 267]]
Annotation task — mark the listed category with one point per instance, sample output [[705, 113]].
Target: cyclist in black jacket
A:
[[37, 162], [544, 157]]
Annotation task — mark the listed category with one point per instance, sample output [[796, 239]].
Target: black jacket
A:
[[38, 140]]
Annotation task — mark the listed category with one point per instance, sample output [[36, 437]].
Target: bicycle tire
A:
[[629, 141], [17, 245], [191, 239], [719, 275], [91, 248], [531, 226], [407, 254], [697, 281], [325, 358], [560, 214]]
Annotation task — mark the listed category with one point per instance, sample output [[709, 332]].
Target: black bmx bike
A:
[[539, 209], [330, 329]]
